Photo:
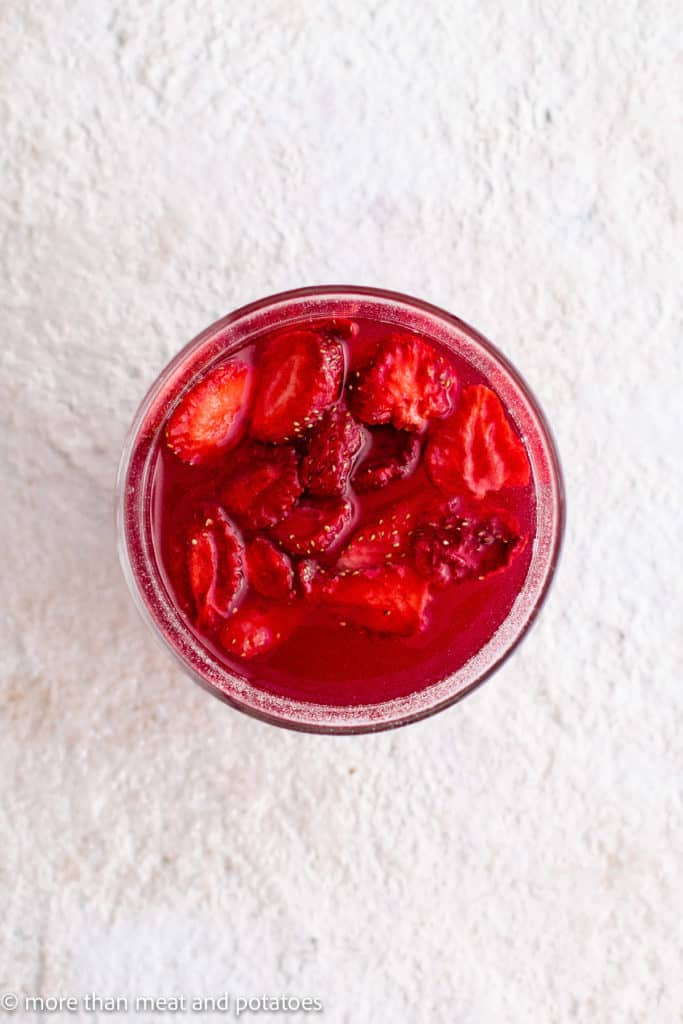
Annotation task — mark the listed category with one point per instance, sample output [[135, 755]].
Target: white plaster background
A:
[[517, 858]]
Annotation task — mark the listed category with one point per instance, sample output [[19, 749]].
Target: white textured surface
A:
[[519, 857]]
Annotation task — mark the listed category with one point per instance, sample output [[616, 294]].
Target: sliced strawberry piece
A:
[[212, 416], [257, 627], [263, 485], [393, 455], [340, 327], [269, 570], [477, 447], [309, 575], [332, 448], [386, 537], [299, 375], [314, 526], [360, 354], [459, 545], [390, 599], [406, 383], [443, 539], [215, 567]]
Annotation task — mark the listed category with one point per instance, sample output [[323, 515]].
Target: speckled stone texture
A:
[[517, 858]]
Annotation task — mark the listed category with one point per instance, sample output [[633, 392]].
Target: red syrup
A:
[[430, 455]]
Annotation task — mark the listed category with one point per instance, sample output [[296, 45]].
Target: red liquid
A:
[[324, 662]]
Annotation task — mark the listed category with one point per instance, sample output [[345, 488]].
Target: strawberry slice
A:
[[332, 448], [269, 570], [393, 455], [386, 537], [443, 539], [314, 526], [477, 447], [309, 575], [390, 599], [460, 546], [215, 566], [299, 376], [405, 384], [340, 327], [212, 415], [263, 485], [257, 627]]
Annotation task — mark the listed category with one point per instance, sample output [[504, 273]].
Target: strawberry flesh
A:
[[269, 570], [457, 545], [333, 445], [477, 447], [386, 537], [314, 526], [389, 599], [215, 565], [393, 455], [308, 574], [211, 417], [299, 375], [257, 627], [263, 485], [406, 383]]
